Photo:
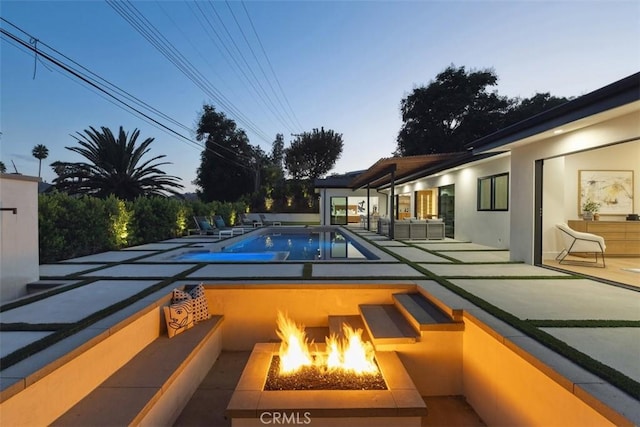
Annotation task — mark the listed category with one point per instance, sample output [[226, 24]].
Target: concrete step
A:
[[423, 315], [386, 325], [355, 321]]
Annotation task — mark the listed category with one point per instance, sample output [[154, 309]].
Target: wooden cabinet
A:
[[621, 237]]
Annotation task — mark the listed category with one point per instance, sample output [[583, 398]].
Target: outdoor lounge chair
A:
[[576, 242], [205, 226], [220, 225], [265, 222], [245, 220]]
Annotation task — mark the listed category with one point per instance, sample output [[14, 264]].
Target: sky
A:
[[288, 67]]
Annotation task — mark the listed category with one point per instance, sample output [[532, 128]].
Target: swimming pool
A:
[[281, 244]]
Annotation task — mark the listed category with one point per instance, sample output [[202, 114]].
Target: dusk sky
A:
[[342, 65]]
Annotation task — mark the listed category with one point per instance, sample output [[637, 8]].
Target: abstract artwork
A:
[[613, 190]]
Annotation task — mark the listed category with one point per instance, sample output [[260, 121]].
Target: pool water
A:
[[286, 245]]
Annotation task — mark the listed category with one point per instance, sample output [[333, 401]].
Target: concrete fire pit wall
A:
[[434, 363], [507, 386]]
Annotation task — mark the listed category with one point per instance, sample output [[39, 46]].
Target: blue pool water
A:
[[292, 245]]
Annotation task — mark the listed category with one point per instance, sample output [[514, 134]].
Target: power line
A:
[[275, 76], [114, 98]]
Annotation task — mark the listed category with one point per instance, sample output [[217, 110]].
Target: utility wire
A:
[[145, 28], [264, 52], [93, 85]]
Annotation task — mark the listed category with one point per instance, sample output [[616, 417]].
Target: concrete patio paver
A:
[[160, 246], [567, 299], [363, 270], [213, 271], [417, 255], [598, 343], [12, 341], [62, 270], [479, 256], [141, 270], [489, 270], [111, 256], [453, 245], [76, 304]]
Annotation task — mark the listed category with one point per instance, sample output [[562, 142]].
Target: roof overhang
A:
[[618, 98], [379, 174]]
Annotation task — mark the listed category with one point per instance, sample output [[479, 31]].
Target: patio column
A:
[[392, 205], [368, 208]]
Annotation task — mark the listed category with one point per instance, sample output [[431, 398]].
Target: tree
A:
[[115, 166], [3, 168], [454, 109], [522, 109], [229, 165], [313, 154], [40, 152]]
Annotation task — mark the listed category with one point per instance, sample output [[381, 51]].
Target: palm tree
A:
[[40, 152], [114, 166]]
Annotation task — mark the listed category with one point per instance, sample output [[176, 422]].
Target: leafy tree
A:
[[452, 110], [522, 109], [115, 167], [313, 154], [228, 164], [40, 152], [3, 168]]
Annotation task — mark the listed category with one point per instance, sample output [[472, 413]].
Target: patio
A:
[[533, 295]]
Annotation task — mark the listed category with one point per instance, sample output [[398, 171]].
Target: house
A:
[[511, 187]]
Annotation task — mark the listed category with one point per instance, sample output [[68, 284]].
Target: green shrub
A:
[[70, 227]]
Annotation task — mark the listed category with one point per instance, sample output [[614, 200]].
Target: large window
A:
[[493, 193]]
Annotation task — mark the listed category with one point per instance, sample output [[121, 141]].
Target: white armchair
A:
[[578, 242]]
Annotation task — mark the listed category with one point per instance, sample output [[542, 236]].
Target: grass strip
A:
[[32, 327], [588, 323], [57, 336], [307, 271]]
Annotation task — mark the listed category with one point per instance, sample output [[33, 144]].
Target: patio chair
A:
[[245, 220], [579, 243], [266, 222], [205, 226], [220, 225]]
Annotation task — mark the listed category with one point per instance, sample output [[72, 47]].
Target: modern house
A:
[[512, 187]]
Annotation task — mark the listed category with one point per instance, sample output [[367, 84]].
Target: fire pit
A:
[[393, 400]]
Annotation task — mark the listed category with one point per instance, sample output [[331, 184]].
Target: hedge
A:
[[70, 227]]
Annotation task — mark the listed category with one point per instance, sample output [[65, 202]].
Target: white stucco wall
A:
[[523, 158], [482, 227], [18, 235]]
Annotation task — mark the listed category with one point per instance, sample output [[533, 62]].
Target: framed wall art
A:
[[611, 189]]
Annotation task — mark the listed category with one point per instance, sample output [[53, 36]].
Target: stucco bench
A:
[[153, 387]]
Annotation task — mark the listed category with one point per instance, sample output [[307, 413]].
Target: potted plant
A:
[[589, 208]]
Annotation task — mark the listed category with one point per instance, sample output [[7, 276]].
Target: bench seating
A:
[[153, 387]]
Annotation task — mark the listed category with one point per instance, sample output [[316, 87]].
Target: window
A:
[[493, 193]]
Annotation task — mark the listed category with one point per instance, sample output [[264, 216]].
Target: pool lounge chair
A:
[[579, 243], [206, 227], [246, 221], [265, 222], [220, 225]]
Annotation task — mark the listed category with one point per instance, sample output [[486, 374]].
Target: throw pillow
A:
[[179, 317], [205, 226], [197, 297]]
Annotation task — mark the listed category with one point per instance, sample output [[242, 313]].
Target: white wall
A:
[[482, 227], [18, 235], [523, 158]]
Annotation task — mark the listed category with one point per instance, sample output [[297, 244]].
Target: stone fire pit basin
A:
[[400, 405]]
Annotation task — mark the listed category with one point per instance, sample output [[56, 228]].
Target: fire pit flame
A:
[[350, 354]]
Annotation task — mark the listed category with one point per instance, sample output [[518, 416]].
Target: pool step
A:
[[423, 315], [386, 325]]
